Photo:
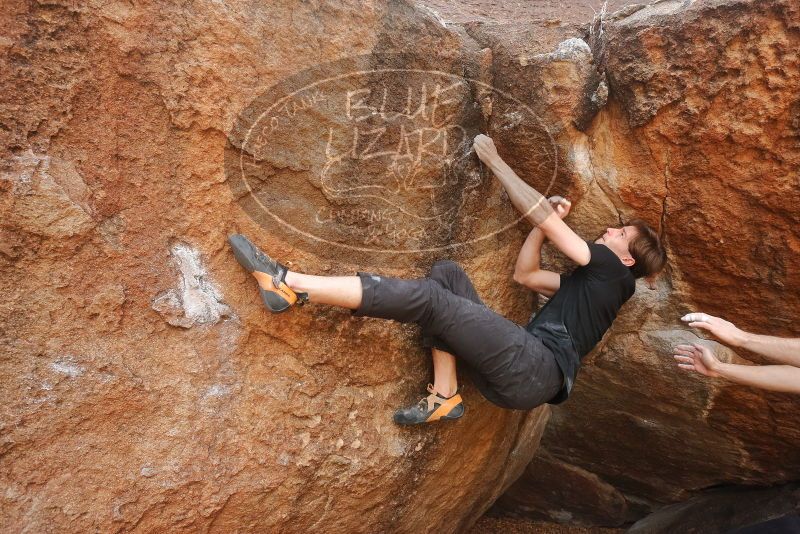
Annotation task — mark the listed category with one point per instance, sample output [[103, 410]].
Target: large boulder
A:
[[144, 387]]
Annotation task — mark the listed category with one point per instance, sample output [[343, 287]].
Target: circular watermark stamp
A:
[[367, 154]]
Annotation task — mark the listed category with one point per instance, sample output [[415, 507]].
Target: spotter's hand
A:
[[723, 330], [696, 358]]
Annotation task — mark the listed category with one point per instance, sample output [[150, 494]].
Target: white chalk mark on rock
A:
[[572, 49], [511, 120], [197, 300], [148, 471], [68, 368], [435, 14], [217, 390]]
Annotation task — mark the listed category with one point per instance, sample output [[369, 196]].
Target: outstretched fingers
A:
[[701, 324], [684, 362], [688, 358], [703, 321], [697, 318], [686, 350]]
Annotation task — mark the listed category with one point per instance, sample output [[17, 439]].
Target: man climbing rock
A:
[[513, 367], [783, 377]]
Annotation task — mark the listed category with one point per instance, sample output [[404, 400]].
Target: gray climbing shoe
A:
[[278, 298], [431, 408]]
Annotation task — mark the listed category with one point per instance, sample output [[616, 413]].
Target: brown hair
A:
[[647, 251]]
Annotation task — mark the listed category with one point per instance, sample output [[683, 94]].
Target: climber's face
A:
[[618, 239]]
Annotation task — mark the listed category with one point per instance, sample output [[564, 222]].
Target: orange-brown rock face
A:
[[144, 386]]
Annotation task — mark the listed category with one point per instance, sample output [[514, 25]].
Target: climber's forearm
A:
[[530, 256], [527, 200]]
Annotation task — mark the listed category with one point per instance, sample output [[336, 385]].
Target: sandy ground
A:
[[494, 525]]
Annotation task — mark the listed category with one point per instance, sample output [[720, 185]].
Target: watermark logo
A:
[[369, 155]]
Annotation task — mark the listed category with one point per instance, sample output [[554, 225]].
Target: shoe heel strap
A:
[[285, 291], [279, 281], [445, 408]]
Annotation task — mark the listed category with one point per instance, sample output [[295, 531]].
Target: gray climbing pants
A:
[[509, 366]]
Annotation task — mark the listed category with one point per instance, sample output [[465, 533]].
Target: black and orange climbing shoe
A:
[[432, 408], [277, 298]]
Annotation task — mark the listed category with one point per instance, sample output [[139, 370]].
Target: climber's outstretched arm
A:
[[532, 204]]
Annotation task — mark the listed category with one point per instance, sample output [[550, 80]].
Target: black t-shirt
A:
[[585, 306]]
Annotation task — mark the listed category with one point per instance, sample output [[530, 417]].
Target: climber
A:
[[701, 359], [512, 366]]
